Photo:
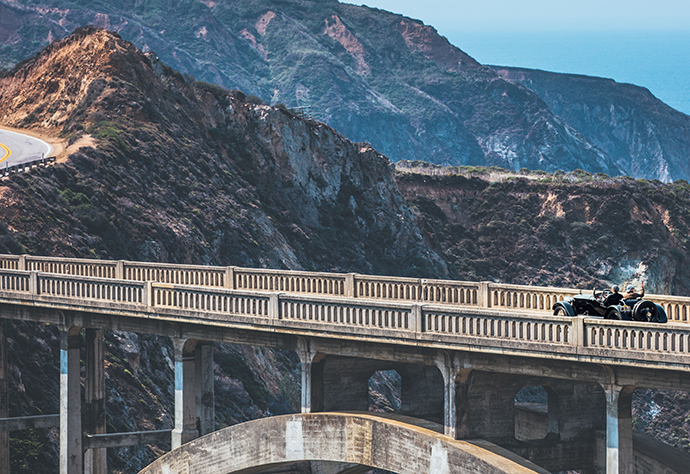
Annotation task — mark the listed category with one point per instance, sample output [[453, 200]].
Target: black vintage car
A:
[[610, 305]]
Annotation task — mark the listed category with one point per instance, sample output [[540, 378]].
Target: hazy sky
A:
[[519, 15]]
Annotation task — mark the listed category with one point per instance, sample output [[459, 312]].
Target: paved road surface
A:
[[16, 148]]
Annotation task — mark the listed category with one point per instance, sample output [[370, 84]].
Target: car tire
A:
[[560, 311], [645, 311], [613, 313]]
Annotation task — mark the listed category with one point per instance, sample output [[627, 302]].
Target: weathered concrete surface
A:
[[654, 457], [651, 456], [392, 443], [94, 415], [29, 423], [4, 409]]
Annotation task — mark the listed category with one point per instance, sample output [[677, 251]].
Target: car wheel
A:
[[614, 313], [560, 311], [645, 311]]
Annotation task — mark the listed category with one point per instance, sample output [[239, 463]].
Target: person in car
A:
[[631, 294], [614, 298]]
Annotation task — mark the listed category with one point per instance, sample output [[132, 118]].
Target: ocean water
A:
[[657, 60]]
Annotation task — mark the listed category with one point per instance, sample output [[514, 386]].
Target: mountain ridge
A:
[[373, 75], [626, 121]]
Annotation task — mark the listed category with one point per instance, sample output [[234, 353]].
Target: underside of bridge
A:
[[565, 431], [344, 441], [457, 408]]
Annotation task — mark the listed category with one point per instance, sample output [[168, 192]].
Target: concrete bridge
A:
[[462, 349]]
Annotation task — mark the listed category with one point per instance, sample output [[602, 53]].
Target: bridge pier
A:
[[71, 455], [619, 443], [95, 460], [312, 396], [456, 383], [194, 397], [4, 402]]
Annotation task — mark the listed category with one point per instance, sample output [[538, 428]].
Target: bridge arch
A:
[[394, 443]]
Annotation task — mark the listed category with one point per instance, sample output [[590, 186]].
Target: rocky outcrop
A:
[[187, 169], [645, 137]]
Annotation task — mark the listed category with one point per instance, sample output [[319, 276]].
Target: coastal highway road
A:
[[16, 148]]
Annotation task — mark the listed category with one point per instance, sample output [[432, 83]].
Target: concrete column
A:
[[4, 402], [553, 420], [205, 399], [71, 455], [456, 382], [312, 377], [619, 444], [185, 393], [95, 460]]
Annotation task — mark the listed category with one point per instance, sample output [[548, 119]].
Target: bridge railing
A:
[[220, 302], [318, 283], [521, 297], [68, 266], [648, 338], [434, 323], [370, 287], [197, 275]]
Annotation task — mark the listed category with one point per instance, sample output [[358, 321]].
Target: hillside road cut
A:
[[16, 148]]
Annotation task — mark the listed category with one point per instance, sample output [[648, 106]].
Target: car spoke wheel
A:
[[645, 311], [614, 313]]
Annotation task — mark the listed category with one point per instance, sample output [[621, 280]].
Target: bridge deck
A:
[[112, 303]]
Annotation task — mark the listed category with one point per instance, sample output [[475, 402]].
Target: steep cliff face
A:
[[373, 75], [645, 137], [574, 230]]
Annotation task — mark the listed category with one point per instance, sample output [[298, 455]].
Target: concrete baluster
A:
[[619, 444], [312, 376], [205, 397], [94, 400], [4, 408], [71, 455], [185, 393]]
